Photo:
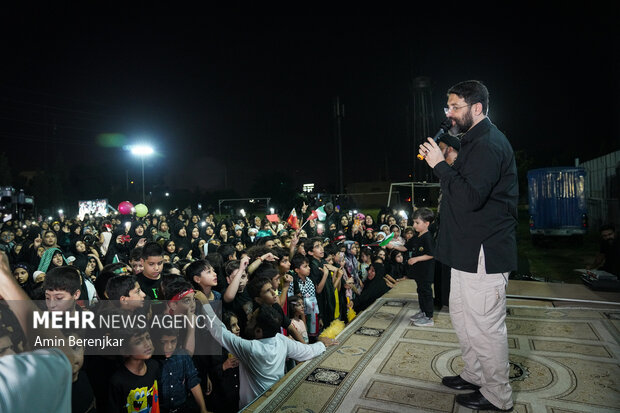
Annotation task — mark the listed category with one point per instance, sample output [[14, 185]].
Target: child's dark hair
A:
[[136, 254], [194, 270], [292, 303], [65, 278], [424, 214], [258, 251], [269, 320], [331, 249], [226, 250], [152, 249], [266, 270], [298, 260], [181, 263], [279, 252], [309, 243], [166, 280], [119, 286], [106, 273], [231, 266], [227, 317], [256, 284], [162, 331], [175, 287]]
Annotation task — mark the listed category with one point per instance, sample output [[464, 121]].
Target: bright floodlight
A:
[[142, 150]]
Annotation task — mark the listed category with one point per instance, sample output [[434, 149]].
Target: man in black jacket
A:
[[477, 239]]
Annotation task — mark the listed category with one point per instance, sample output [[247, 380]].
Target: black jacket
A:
[[479, 203]]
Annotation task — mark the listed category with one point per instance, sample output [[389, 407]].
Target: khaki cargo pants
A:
[[478, 314]]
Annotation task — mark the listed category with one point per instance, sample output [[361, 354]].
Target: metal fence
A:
[[602, 189]]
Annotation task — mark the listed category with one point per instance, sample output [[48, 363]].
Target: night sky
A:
[[227, 100]]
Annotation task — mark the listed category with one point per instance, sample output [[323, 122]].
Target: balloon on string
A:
[[124, 208], [141, 210]]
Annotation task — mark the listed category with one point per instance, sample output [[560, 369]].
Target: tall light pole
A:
[[142, 151]]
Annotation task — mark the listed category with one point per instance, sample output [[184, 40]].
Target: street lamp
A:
[[142, 151]]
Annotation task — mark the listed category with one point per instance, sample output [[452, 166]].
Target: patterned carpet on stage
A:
[[561, 360]]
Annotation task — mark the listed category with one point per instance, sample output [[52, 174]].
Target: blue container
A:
[[557, 201]]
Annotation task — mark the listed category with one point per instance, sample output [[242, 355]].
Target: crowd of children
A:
[[269, 279]]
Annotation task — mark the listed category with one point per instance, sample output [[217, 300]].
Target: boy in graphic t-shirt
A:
[[152, 263], [133, 387]]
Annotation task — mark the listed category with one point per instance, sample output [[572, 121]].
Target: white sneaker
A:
[[424, 322], [417, 316]]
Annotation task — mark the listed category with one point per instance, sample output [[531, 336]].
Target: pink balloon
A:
[[124, 208]]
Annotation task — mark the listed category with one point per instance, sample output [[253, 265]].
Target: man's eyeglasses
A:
[[453, 108]]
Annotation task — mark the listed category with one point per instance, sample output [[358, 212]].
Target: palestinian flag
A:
[[386, 240], [292, 219], [320, 213]]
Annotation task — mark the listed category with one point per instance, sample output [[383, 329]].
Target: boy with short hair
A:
[[135, 260], [178, 375], [134, 386], [261, 291], [62, 288], [125, 289], [421, 265], [262, 359], [319, 274], [152, 261]]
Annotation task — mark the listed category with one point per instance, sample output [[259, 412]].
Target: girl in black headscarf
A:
[[182, 241], [396, 266], [78, 250], [22, 274]]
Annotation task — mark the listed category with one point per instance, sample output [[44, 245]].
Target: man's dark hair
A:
[[269, 320], [607, 227], [473, 91], [119, 286], [64, 278], [152, 249], [298, 260], [255, 285], [424, 214]]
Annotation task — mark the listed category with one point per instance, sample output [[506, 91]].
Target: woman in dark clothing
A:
[[182, 242], [119, 247]]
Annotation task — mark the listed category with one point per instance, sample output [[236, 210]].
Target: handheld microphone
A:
[[443, 128]]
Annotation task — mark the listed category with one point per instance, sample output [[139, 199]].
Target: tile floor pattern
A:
[[562, 360]]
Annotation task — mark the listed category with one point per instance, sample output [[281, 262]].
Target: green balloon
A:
[[141, 210]]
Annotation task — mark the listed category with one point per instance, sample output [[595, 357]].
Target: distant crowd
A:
[[279, 287]]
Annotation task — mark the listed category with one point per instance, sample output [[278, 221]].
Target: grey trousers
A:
[[478, 314]]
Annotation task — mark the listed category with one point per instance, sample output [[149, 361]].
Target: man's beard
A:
[[462, 125]]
